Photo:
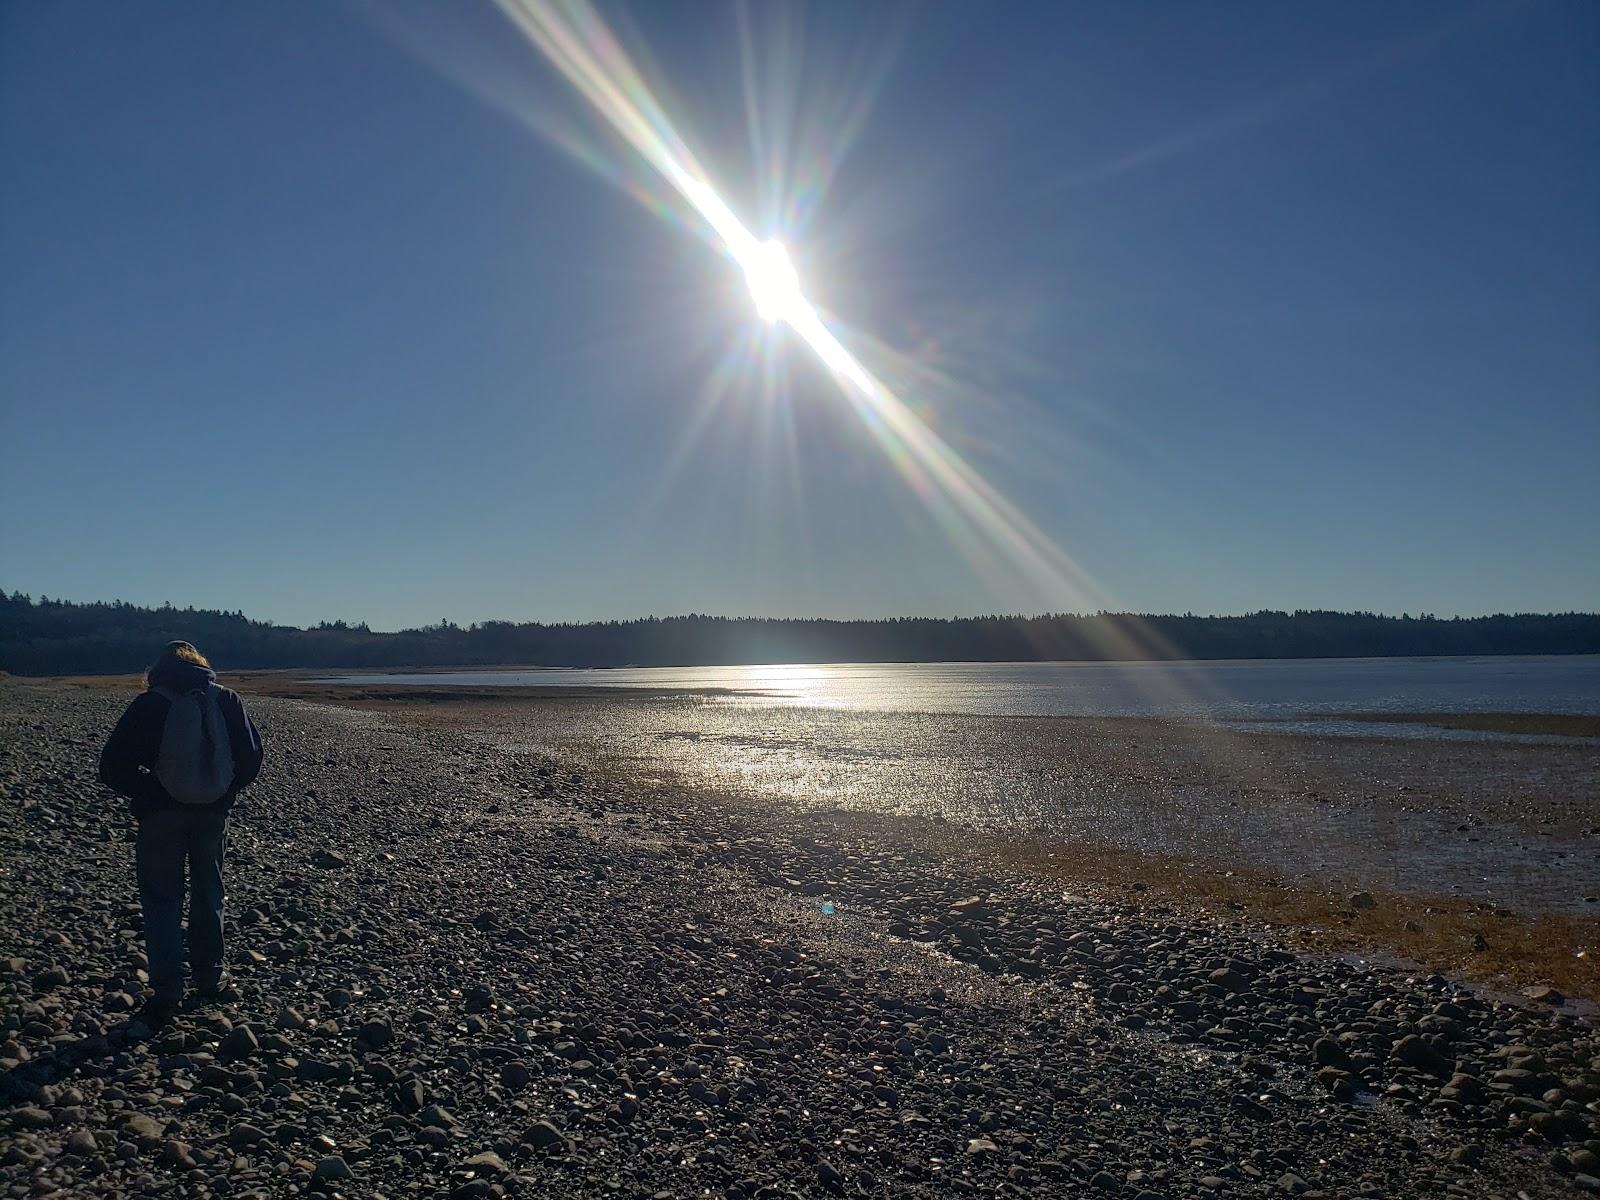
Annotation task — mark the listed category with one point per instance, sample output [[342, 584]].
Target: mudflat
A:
[[470, 967], [1482, 854], [1557, 724]]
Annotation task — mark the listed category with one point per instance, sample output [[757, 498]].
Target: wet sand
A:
[[1483, 854], [1512, 824], [1567, 725]]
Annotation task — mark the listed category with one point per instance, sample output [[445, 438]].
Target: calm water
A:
[[1226, 690]]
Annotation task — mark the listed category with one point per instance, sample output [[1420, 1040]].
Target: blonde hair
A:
[[175, 652], [184, 652]]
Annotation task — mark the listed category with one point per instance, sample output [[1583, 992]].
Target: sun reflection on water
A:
[[802, 681]]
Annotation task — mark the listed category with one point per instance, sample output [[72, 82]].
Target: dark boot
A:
[[158, 1012]]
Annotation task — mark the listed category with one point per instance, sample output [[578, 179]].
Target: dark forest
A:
[[54, 637]]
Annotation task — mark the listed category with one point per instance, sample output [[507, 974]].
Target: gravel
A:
[[468, 971]]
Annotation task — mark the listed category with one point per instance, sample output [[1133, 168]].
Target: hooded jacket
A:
[[128, 762]]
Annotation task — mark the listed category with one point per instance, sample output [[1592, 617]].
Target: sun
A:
[[774, 283]]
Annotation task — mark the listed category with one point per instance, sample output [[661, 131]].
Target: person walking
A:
[[181, 754]]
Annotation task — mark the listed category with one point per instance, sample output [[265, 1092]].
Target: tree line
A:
[[57, 637]]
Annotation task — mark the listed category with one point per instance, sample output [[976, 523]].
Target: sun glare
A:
[[987, 528], [774, 283]]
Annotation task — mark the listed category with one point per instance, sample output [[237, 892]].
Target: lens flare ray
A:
[[984, 526]]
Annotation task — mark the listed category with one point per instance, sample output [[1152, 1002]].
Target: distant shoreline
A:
[[511, 668], [319, 674], [52, 637]]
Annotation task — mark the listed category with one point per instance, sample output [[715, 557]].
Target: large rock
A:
[[1329, 1053], [320, 1070], [1464, 1089], [332, 1169], [1342, 1085], [376, 1033], [290, 1018], [175, 1153], [1228, 979], [240, 1043], [410, 1096], [1416, 1052], [544, 1135], [436, 1116], [142, 1129], [50, 978], [243, 1137], [487, 1163]]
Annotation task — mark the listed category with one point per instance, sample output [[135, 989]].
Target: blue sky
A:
[[329, 310]]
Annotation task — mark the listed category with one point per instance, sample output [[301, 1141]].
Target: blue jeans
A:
[[167, 839]]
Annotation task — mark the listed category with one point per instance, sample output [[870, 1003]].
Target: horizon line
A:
[[450, 622]]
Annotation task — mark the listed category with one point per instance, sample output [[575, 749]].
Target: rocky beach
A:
[[467, 970]]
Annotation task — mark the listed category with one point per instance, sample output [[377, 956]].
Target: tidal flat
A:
[[1485, 848], [473, 965]]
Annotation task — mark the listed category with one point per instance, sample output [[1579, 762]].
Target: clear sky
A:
[[320, 310]]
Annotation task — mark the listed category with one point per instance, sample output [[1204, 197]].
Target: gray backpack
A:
[[195, 762]]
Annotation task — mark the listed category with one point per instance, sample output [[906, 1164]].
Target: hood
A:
[[181, 676]]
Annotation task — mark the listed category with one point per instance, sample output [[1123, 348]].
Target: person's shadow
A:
[[25, 1081]]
